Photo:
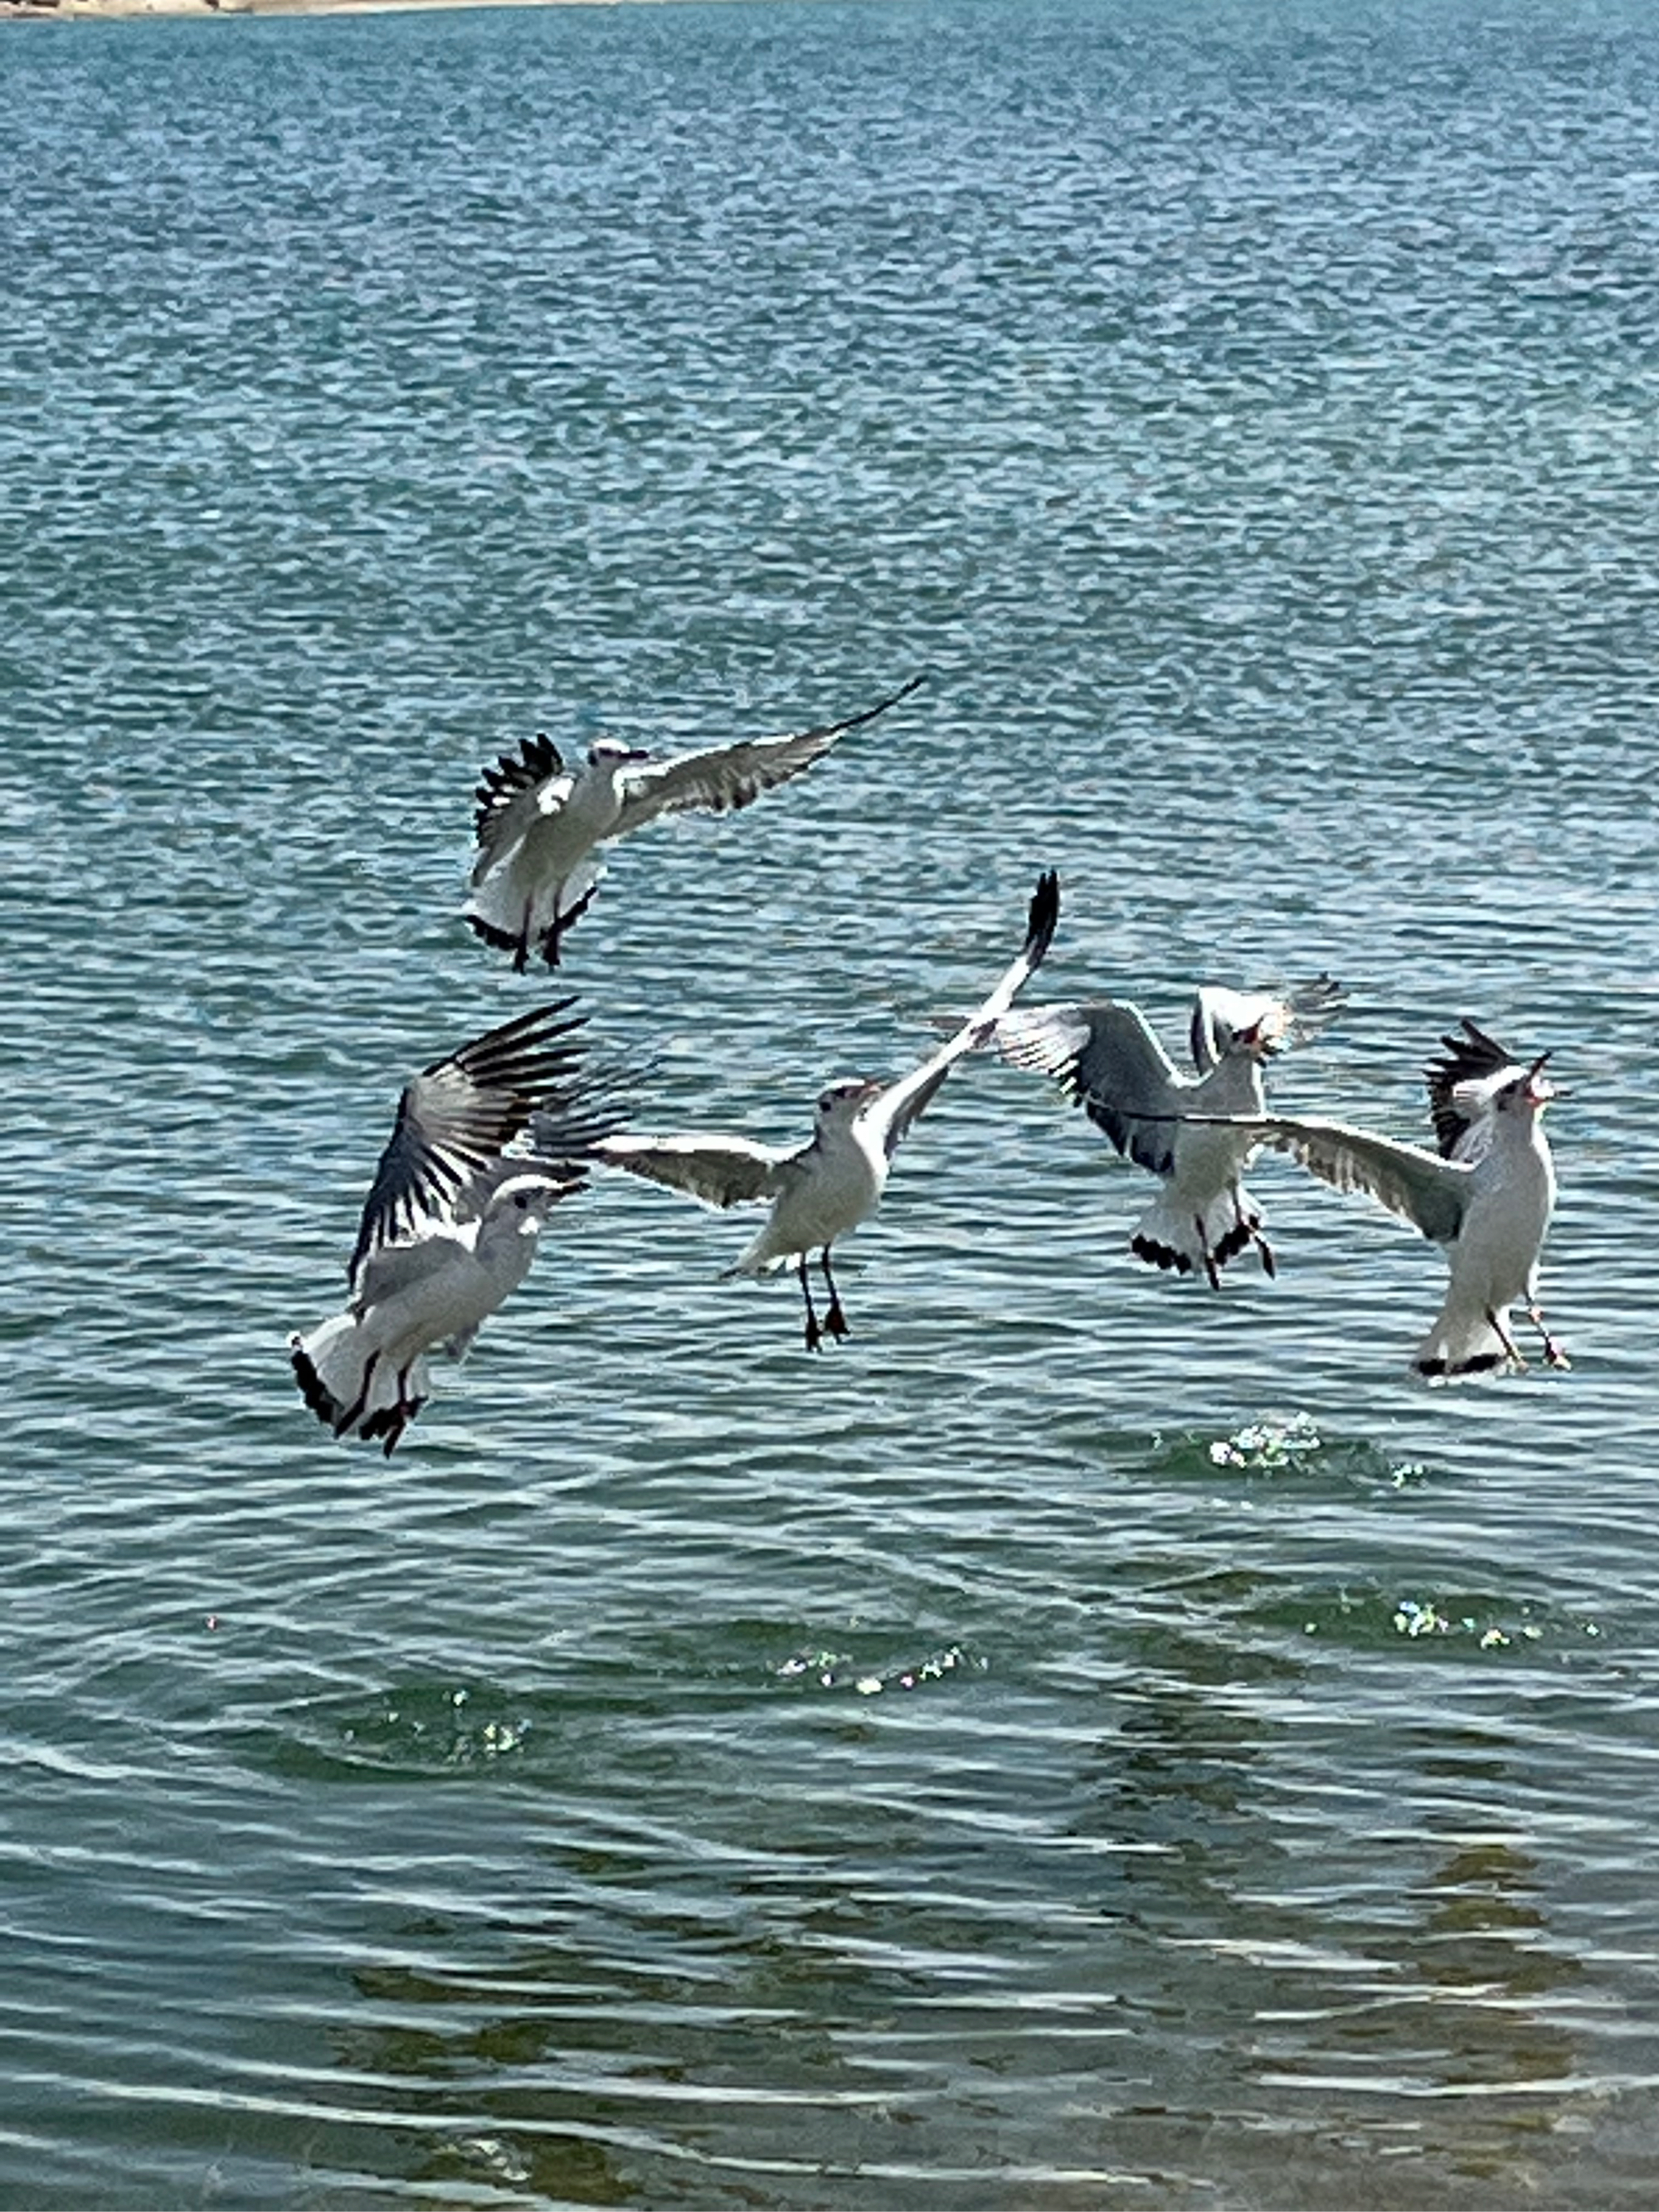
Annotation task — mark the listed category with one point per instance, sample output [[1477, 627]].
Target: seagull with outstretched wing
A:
[[451, 1223], [1108, 1062], [1486, 1195], [541, 826], [823, 1189]]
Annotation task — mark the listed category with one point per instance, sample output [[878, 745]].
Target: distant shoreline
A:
[[61, 11]]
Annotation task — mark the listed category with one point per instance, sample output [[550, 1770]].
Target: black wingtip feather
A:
[[536, 759], [1469, 1056], [1044, 916]]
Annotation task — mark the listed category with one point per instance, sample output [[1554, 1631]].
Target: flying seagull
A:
[[825, 1188], [1486, 1194], [540, 825], [452, 1220], [1108, 1062]]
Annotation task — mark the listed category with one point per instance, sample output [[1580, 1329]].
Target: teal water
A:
[[1086, 1742]]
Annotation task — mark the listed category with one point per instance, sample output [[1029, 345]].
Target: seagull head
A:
[[1260, 1040], [1526, 1088], [844, 1101], [521, 1203], [1536, 1086], [1239, 1025], [611, 752]]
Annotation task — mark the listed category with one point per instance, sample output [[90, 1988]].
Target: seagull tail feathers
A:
[[1462, 1341], [1190, 1240], [530, 920], [761, 1256], [347, 1386]]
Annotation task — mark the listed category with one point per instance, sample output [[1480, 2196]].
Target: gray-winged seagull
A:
[[824, 1190], [1108, 1062], [540, 825], [451, 1224], [1486, 1195]]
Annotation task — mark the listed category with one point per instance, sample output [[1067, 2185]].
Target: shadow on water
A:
[[799, 1986]]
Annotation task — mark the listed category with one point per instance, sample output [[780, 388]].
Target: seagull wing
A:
[[1461, 1085], [724, 777], [1108, 1062], [1421, 1188], [1312, 1004], [718, 1172], [890, 1115], [454, 1120], [512, 794], [391, 1268], [1288, 1018]]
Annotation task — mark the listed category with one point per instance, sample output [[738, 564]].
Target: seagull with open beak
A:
[[1486, 1195]]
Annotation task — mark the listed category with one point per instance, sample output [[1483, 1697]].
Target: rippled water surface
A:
[[1085, 1742]]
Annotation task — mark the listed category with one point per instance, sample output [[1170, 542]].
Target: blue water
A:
[[1085, 1742]]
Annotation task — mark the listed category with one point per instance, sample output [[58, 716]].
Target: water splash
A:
[[838, 1670], [1415, 1617], [1275, 1443]]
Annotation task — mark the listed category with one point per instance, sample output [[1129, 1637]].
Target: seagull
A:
[[825, 1188], [1108, 1062], [450, 1226], [1486, 1194], [540, 825]]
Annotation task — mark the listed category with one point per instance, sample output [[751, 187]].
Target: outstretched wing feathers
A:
[[586, 1113], [721, 778], [456, 1117], [1284, 1019], [1421, 1188], [1108, 1062], [1473, 1057], [1312, 1004], [717, 1172], [510, 796], [897, 1108]]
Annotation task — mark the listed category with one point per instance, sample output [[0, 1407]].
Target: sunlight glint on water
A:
[[1083, 1742]]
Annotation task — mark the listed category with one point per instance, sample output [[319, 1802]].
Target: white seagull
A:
[[451, 1224], [540, 826], [1486, 1195], [1108, 1062], [825, 1188]]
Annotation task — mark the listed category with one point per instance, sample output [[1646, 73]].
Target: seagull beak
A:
[[1259, 1041], [1539, 1089]]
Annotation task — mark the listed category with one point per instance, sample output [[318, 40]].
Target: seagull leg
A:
[[555, 931], [814, 1333], [1504, 1337], [1553, 1354], [406, 1408], [835, 1320], [1249, 1226], [1210, 1268], [354, 1412], [553, 938]]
